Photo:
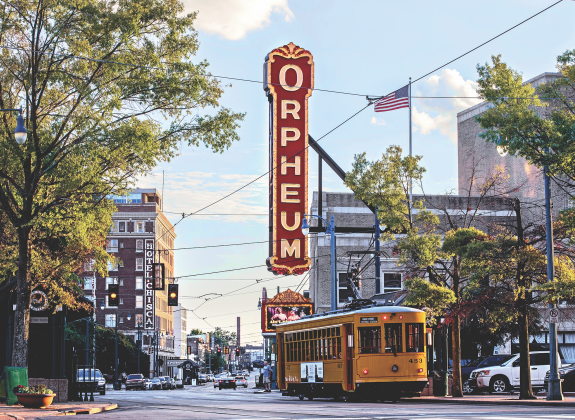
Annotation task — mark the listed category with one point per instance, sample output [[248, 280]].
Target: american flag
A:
[[396, 100]]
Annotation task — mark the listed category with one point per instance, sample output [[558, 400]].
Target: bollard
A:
[[446, 383]]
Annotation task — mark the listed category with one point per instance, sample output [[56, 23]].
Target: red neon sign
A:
[[288, 82]]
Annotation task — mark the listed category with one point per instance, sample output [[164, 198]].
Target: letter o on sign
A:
[[283, 72]]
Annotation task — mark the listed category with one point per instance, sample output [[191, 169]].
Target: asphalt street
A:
[[205, 402]]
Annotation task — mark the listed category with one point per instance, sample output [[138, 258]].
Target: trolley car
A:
[[375, 353]]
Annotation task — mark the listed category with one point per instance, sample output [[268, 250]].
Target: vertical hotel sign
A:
[[288, 82], [149, 278]]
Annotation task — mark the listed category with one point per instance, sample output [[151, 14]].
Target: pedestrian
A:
[[267, 376]]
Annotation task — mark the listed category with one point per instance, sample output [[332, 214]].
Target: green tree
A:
[[108, 90], [196, 331], [223, 338], [535, 123]]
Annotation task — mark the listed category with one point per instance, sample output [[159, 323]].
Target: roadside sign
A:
[[175, 362], [553, 316]]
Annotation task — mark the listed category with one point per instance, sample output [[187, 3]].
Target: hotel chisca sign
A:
[[288, 82]]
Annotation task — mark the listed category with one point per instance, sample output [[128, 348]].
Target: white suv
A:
[[505, 377]]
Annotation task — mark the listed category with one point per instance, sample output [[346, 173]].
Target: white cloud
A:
[[377, 121], [233, 19], [440, 114]]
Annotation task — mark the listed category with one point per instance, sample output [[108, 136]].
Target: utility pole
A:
[[377, 258]]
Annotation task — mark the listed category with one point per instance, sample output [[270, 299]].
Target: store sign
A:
[[149, 280], [288, 82], [368, 320], [38, 320], [284, 307]]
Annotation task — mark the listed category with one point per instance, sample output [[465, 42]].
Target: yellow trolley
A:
[[375, 353]]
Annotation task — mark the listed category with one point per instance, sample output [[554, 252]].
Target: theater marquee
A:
[[288, 82]]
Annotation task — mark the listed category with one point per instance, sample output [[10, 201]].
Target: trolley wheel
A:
[[301, 397]]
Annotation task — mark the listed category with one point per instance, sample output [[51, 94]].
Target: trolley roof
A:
[[368, 310]]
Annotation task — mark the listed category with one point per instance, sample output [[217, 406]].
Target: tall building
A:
[[139, 236], [180, 331]]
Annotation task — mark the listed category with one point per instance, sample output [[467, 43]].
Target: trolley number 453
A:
[[415, 360]]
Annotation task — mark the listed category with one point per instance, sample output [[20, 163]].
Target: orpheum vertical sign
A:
[[288, 82], [149, 279]]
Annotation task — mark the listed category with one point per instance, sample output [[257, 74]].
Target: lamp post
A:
[[139, 346], [554, 385], [330, 230], [20, 132]]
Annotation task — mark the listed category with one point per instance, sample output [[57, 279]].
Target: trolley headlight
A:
[[395, 368]]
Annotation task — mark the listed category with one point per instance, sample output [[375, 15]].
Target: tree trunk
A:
[[525, 390], [22, 315], [457, 389]]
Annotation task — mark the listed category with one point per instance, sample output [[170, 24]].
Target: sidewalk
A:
[[507, 399], [58, 409]]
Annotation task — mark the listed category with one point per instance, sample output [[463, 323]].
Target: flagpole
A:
[[410, 152]]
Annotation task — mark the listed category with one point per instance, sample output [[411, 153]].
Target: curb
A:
[[95, 410], [469, 401], [4, 416]]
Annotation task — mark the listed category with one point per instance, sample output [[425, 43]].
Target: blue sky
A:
[[364, 47]]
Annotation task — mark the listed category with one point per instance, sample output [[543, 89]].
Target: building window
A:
[[121, 302], [121, 320], [140, 320], [110, 320], [134, 198], [112, 266], [139, 301], [139, 245], [111, 280], [121, 263], [391, 282], [88, 283], [343, 291], [139, 264], [140, 227], [114, 227], [112, 245], [89, 266], [122, 226], [121, 244], [139, 283]]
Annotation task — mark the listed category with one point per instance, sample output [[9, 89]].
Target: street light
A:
[[20, 132], [330, 230], [260, 304]]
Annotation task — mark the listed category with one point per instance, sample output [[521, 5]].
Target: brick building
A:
[[140, 235]]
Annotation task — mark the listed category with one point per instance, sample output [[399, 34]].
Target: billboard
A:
[[311, 372], [288, 83], [149, 282], [284, 307]]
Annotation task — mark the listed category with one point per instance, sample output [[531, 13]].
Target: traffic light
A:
[[172, 295], [189, 349], [219, 351], [113, 291], [238, 352]]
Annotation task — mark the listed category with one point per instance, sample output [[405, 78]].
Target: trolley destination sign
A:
[[288, 83]]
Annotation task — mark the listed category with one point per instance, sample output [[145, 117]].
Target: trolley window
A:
[[393, 340], [414, 335], [312, 346], [369, 340]]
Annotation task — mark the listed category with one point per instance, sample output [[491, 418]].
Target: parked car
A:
[[567, 376], [217, 381], [495, 360], [209, 378], [165, 384], [227, 382], [179, 383], [505, 377], [171, 382], [241, 381], [202, 379], [93, 378], [148, 383], [135, 381], [157, 383]]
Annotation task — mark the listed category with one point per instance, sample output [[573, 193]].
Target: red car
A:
[[135, 381]]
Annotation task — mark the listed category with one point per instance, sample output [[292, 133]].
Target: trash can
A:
[[440, 383]]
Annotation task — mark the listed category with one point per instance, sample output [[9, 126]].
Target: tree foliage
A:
[[109, 89], [223, 338]]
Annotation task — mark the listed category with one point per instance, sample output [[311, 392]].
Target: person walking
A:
[[267, 376]]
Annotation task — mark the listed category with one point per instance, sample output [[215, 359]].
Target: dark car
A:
[[171, 382], [227, 382], [135, 381], [165, 384], [156, 383], [567, 376], [495, 360], [91, 379]]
